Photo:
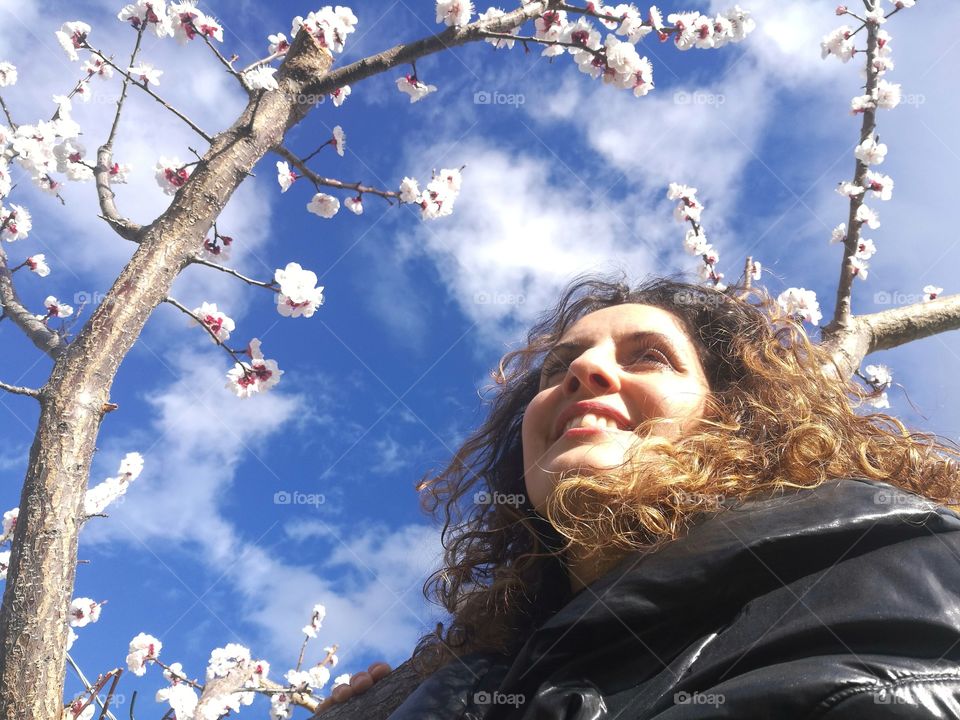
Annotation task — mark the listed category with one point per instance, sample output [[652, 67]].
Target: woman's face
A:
[[611, 370]]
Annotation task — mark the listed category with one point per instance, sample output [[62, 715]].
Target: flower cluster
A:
[[614, 60], [99, 497], [216, 321], [299, 295], [438, 197], [42, 149], [55, 309], [879, 378], [800, 304], [232, 677], [180, 20], [171, 174], [688, 209], [259, 375]]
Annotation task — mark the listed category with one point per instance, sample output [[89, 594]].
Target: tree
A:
[[55, 501]]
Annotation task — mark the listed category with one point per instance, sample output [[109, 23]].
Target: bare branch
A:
[[123, 88], [146, 88], [6, 111], [90, 688], [888, 329], [46, 339], [223, 61], [124, 227], [230, 271], [18, 390], [318, 180]]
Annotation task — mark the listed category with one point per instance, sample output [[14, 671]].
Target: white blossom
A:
[[259, 375], [326, 206], [142, 648], [299, 295], [316, 618], [870, 152], [8, 74], [802, 303], [261, 78], [414, 88]]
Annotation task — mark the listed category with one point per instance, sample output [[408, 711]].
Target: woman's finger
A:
[[379, 670]]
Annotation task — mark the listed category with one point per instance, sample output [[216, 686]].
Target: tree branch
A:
[[409, 52], [230, 271], [18, 390], [6, 111], [842, 311], [329, 182], [146, 88], [46, 339], [124, 227], [865, 334]]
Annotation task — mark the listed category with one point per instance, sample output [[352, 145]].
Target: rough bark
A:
[[43, 561], [865, 334]]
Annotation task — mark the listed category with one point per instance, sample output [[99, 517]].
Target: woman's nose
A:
[[596, 369]]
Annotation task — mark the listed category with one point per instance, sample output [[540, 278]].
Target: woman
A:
[[674, 511]]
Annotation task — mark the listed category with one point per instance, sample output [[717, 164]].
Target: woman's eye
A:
[[653, 355]]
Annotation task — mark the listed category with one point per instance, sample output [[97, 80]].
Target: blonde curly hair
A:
[[778, 418]]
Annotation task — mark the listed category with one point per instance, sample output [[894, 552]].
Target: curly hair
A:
[[778, 418]]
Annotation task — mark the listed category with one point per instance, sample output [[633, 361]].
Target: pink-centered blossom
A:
[[143, 648], [259, 375]]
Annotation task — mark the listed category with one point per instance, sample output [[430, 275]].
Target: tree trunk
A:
[[43, 561]]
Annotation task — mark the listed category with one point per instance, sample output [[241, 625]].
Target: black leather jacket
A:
[[837, 602]]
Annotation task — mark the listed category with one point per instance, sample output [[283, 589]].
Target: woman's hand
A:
[[359, 682]]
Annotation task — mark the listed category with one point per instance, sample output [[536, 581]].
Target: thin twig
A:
[[6, 111], [123, 89], [206, 327], [87, 685], [146, 88], [318, 180], [230, 271], [223, 61]]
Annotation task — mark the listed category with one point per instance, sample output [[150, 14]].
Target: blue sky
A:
[[382, 384]]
